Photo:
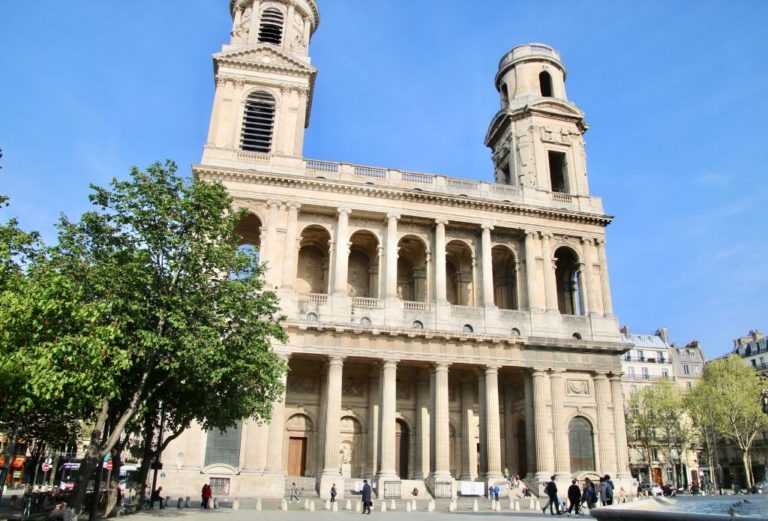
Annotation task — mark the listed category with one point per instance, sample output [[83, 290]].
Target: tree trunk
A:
[[146, 459], [90, 460]]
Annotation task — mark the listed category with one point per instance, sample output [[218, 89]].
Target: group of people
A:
[[589, 494]]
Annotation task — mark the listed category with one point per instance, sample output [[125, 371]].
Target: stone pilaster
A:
[[422, 428], [559, 429], [269, 247], [374, 410], [550, 283], [493, 426], [254, 450], [342, 251], [530, 430], [487, 266], [530, 270], [604, 423], [587, 245], [274, 466], [441, 430], [468, 443], [620, 429], [331, 456], [605, 285], [387, 424], [391, 255], [545, 462], [291, 246], [440, 283]]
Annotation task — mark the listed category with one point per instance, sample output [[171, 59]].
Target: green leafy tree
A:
[[731, 393], [166, 307], [699, 410], [643, 420], [674, 426]]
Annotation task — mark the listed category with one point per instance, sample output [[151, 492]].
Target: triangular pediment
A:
[[263, 56], [556, 106]]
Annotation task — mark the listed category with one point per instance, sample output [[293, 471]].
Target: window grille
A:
[[271, 28], [258, 123], [220, 486], [223, 447], [581, 445]]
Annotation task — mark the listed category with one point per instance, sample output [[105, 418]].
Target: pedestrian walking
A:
[[333, 493], [294, 491], [551, 491], [206, 494], [574, 497]]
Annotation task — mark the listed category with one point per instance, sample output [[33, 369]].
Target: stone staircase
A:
[[307, 486]]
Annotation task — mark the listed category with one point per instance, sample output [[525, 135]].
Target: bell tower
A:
[[536, 138], [264, 84]]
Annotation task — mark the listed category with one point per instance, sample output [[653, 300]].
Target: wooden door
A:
[[657, 476], [297, 456]]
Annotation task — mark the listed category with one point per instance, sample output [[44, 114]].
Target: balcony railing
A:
[[319, 298], [645, 359], [416, 306], [371, 303], [647, 377]]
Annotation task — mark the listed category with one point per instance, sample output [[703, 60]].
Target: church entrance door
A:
[[297, 456]]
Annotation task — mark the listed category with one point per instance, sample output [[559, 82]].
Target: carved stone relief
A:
[[352, 388], [577, 387], [526, 161], [403, 391], [302, 385]]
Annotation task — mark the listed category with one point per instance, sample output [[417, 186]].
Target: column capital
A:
[[539, 371], [531, 234], [344, 210], [557, 372], [389, 362], [491, 369], [486, 227], [615, 378], [546, 235], [600, 241], [393, 216], [600, 375], [336, 360], [293, 205], [442, 222], [441, 366], [273, 203]]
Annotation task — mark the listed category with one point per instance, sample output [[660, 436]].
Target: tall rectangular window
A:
[[645, 373], [558, 173], [223, 447]]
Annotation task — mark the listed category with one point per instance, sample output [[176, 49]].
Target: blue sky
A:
[[675, 94]]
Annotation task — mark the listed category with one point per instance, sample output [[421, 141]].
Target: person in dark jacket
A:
[[551, 491], [367, 497], [574, 497]]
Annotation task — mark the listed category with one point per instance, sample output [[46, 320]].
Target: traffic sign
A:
[[108, 465], [45, 467]]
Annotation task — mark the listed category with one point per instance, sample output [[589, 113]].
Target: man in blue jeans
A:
[[551, 491]]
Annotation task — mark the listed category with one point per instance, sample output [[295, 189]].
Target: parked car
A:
[[650, 489], [760, 487]]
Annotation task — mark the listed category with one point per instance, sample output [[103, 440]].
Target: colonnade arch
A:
[[301, 443], [569, 291], [505, 292], [459, 276], [314, 255], [363, 271], [412, 269]]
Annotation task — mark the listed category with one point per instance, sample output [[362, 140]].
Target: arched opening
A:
[[352, 451], [363, 266], [223, 447], [402, 439], [412, 269], [300, 432], [504, 96], [582, 445], [248, 232], [522, 453], [271, 26], [458, 277], [567, 278], [312, 269], [504, 278], [545, 84], [258, 123]]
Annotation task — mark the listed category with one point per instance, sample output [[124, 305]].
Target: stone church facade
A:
[[442, 330]]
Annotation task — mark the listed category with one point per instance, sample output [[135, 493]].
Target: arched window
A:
[[545, 83], [258, 123], [567, 279], [271, 28], [504, 96], [582, 445], [223, 447]]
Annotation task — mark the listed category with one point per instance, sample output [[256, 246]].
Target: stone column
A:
[[550, 283], [269, 247], [530, 270], [604, 284], [387, 423], [487, 260], [584, 289], [620, 429], [604, 423], [589, 271], [530, 431], [374, 399], [392, 255], [274, 466], [440, 283], [342, 251], [422, 427], [468, 446], [291, 248], [493, 426], [333, 418], [559, 429], [442, 470], [483, 423], [545, 462]]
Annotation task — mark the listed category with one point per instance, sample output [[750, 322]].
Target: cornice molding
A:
[[383, 192]]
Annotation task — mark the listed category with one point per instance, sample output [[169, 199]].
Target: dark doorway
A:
[[401, 449], [522, 453]]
